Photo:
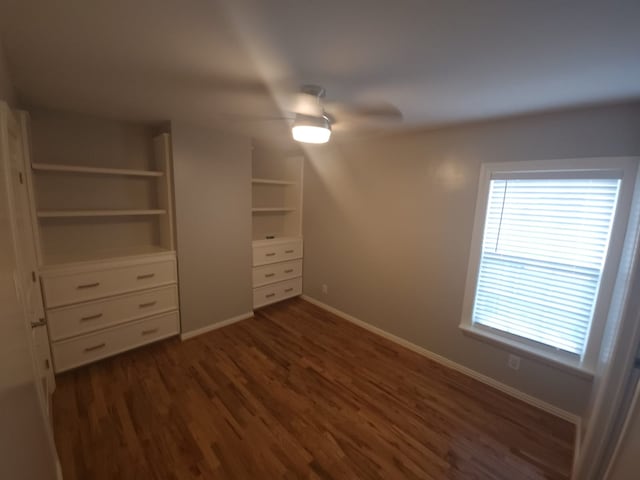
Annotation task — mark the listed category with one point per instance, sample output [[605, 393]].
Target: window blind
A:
[[543, 251]]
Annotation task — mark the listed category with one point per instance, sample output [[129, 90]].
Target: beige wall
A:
[[7, 92], [77, 139], [212, 174], [387, 226]]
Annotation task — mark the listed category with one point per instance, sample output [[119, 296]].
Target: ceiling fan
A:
[[314, 118]]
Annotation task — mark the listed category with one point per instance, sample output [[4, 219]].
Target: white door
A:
[[24, 239], [26, 443]]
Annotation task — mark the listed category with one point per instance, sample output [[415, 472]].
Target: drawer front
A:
[[276, 292], [89, 348], [275, 272], [278, 252], [86, 317], [65, 289]]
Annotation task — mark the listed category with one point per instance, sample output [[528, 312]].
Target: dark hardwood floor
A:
[[296, 392]]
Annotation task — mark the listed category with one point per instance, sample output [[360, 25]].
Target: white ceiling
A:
[[223, 61]]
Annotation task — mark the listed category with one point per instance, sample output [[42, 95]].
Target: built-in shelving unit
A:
[[44, 167], [276, 195], [98, 188], [102, 207], [277, 226]]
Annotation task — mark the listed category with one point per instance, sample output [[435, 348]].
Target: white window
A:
[[546, 244]]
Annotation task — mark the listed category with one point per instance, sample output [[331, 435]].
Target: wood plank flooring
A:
[[296, 392]]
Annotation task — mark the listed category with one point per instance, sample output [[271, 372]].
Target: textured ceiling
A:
[[228, 62]]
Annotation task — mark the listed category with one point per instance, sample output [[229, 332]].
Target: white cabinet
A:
[[98, 309], [277, 270]]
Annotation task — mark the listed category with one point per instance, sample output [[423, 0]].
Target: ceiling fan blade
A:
[[362, 117], [304, 104], [257, 118], [366, 113]]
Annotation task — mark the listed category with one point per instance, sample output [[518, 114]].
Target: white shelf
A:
[[273, 210], [45, 167], [96, 213], [266, 181]]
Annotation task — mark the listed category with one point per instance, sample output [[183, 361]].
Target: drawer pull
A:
[[289, 270], [88, 285], [146, 275], [287, 290], [148, 304], [150, 331], [272, 254], [91, 317], [269, 295], [267, 275], [40, 323], [95, 347], [288, 251]]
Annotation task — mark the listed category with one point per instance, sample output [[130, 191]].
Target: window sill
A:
[[566, 365]]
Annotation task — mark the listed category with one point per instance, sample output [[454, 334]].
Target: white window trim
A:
[[582, 366]]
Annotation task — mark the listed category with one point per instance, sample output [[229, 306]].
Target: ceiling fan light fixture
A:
[[308, 129]]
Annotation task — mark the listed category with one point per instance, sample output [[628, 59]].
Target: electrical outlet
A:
[[513, 362], [325, 288]]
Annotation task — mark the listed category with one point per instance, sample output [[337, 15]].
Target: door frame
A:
[[40, 443]]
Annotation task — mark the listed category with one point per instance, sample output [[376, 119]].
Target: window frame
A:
[[624, 168]]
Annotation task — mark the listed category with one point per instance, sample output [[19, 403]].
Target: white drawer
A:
[[276, 291], [78, 351], [63, 288], [277, 252], [65, 322], [275, 272]]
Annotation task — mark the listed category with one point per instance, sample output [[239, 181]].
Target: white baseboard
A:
[[542, 405], [215, 326]]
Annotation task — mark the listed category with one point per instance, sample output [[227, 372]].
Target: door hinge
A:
[[20, 177], [40, 323], [47, 364], [33, 276]]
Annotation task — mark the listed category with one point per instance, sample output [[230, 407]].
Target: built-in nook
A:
[[277, 224]]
